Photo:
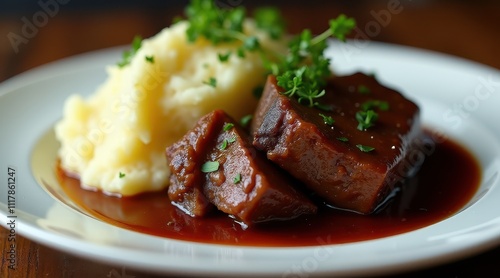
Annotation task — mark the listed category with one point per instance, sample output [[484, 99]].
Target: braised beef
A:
[[350, 167], [244, 184], [185, 159]]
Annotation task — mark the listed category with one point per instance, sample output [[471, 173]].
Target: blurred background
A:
[[37, 32]]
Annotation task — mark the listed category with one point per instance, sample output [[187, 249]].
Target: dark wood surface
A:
[[467, 29]]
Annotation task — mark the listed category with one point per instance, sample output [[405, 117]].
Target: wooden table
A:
[[463, 28]]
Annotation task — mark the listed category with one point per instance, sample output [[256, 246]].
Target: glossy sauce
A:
[[447, 180]]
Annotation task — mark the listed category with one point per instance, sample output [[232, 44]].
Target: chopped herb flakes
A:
[[302, 72], [212, 82], [367, 116], [328, 120], [362, 89], [270, 20], [364, 148], [223, 145], [226, 142], [227, 126], [121, 175], [150, 59], [372, 104], [342, 139], [129, 54], [245, 120], [366, 119], [237, 179], [210, 166], [219, 25], [224, 57]]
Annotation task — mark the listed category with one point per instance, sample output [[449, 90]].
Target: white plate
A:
[[33, 101]]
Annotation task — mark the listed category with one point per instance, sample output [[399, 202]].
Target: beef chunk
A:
[[185, 158], [327, 156], [244, 184]]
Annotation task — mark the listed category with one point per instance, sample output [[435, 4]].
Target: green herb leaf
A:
[[226, 142], [324, 107], [328, 120], [342, 139], [121, 175], [362, 89], [215, 24], [364, 148], [366, 119], [223, 145], [251, 43], [245, 120], [227, 126], [241, 52], [342, 26], [270, 20], [237, 179], [212, 82], [375, 104], [129, 54], [224, 57], [150, 59], [210, 166], [304, 71]]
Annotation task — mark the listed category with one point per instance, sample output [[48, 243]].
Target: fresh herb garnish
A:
[[129, 54], [150, 59], [340, 27], [328, 120], [362, 89], [222, 25], [237, 179], [212, 82], [224, 57], [245, 120], [364, 148], [304, 71], [210, 166], [270, 20], [121, 175], [342, 139], [223, 145], [375, 104], [227, 126], [367, 116], [226, 142], [366, 119]]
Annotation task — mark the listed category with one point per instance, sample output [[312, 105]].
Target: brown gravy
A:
[[446, 182]]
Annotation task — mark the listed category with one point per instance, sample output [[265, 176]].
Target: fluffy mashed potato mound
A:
[[115, 140]]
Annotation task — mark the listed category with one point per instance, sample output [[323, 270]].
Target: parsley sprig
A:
[[304, 71], [226, 25], [129, 54], [367, 116]]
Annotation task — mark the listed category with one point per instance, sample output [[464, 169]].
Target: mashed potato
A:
[[115, 140]]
